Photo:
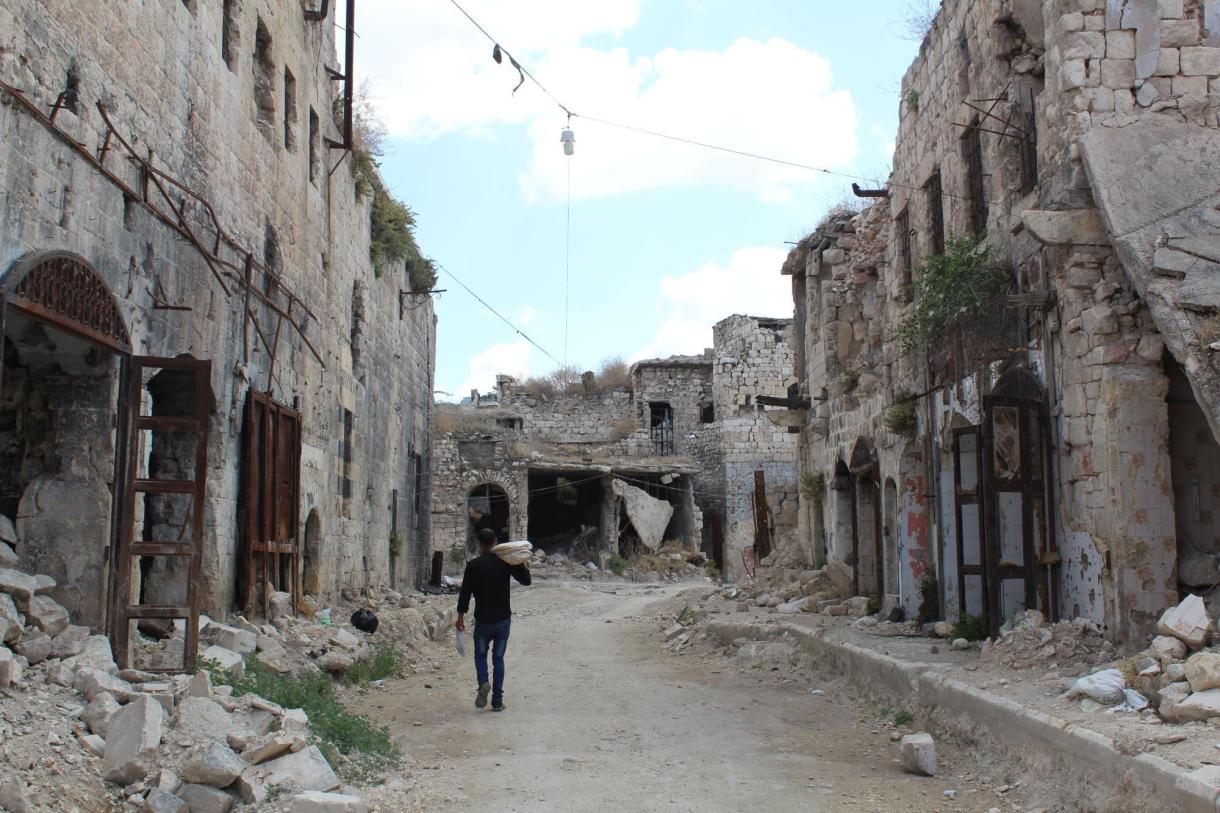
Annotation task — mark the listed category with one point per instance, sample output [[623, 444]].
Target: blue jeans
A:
[[494, 636]]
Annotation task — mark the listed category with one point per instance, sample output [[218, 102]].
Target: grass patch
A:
[[903, 718], [617, 565], [929, 601], [972, 627], [358, 749], [384, 662], [712, 571]]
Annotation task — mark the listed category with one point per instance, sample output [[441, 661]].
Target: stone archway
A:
[[866, 518], [487, 506], [62, 336]]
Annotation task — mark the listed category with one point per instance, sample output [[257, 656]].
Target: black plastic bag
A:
[[365, 621]]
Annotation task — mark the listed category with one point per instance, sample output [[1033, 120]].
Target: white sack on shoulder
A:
[[513, 553]]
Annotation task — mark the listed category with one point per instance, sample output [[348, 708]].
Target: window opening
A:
[[264, 79], [661, 426], [230, 36], [345, 454], [314, 145], [903, 227], [972, 155], [707, 412], [290, 111], [417, 470], [936, 213], [1027, 121]]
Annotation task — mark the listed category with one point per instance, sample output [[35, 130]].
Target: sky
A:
[[634, 246]]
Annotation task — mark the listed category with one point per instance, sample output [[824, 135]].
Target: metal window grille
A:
[[903, 226], [661, 423]]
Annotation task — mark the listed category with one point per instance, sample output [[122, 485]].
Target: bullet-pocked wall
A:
[[233, 99]]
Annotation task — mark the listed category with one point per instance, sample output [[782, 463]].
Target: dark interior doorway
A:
[[565, 512], [486, 507]]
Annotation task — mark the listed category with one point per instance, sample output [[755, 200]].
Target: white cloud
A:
[[431, 73], [526, 315], [692, 303], [510, 359]]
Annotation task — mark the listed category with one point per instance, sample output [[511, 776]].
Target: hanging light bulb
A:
[[569, 141]]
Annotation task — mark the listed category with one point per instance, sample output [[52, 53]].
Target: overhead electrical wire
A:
[[498, 315], [681, 139]]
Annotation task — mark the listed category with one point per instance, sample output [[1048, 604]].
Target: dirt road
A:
[[601, 718]]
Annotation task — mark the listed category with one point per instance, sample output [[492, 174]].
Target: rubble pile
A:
[[828, 590], [671, 563], [78, 733], [1027, 641]]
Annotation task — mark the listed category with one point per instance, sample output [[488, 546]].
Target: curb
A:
[[929, 687]]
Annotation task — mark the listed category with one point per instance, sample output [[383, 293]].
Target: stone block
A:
[[8, 556], [133, 735], [1203, 671], [92, 682], [1199, 706], [213, 764], [235, 640], [163, 801], [1166, 649], [18, 585], [1083, 45], [200, 685], [69, 641], [316, 802], [98, 713], [204, 719], [1188, 622], [269, 747], [8, 532], [1117, 73], [10, 668], [250, 788], [1179, 33], [1170, 9], [34, 645], [306, 770], [1200, 61], [918, 754], [226, 659], [48, 615], [206, 799], [1120, 44]]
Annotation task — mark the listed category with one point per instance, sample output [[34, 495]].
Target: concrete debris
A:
[[1031, 643], [306, 769], [919, 754], [134, 733], [316, 802], [649, 516], [214, 764], [1188, 622], [206, 799]]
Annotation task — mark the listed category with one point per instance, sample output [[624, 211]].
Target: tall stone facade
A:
[[687, 430], [233, 101], [1036, 460]]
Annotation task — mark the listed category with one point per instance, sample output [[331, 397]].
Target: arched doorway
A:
[[866, 519], [311, 555], [101, 479], [487, 506], [1020, 552]]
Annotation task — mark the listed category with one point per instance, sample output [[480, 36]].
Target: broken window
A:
[[972, 156], [314, 146], [661, 427], [264, 79], [357, 322], [514, 424], [230, 35], [345, 456], [707, 412], [936, 213], [290, 111], [902, 229]]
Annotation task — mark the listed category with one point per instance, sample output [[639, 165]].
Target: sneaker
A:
[[497, 706], [480, 699]]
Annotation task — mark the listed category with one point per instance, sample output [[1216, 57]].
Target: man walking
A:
[[486, 578]]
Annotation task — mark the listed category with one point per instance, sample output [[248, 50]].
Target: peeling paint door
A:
[[163, 479], [971, 552], [1019, 540]]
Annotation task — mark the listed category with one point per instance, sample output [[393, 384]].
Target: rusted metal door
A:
[[271, 478], [159, 544], [972, 594], [1021, 554], [762, 518]]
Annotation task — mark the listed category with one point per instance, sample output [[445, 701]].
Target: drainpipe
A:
[[932, 491]]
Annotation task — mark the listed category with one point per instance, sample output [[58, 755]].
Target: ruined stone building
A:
[[1053, 445], [683, 453], [206, 387]]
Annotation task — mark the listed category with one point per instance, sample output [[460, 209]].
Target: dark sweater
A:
[[486, 578]]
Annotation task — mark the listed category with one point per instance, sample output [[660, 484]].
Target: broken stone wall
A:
[[755, 356], [463, 461], [166, 83]]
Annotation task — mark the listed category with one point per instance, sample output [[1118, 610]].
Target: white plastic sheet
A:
[[1107, 687], [459, 639]]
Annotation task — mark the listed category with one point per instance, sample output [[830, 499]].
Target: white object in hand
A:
[[460, 640]]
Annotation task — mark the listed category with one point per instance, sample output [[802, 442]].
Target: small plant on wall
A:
[[900, 417], [962, 288], [813, 484]]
